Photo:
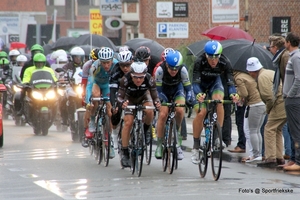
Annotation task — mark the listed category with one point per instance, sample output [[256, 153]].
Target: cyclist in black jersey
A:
[[136, 87], [173, 85]]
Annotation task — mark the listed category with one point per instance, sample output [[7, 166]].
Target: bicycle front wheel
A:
[[172, 150], [203, 157], [139, 151], [106, 141], [216, 152], [148, 147]]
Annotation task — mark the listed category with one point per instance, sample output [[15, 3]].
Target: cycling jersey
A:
[[204, 76], [114, 81]]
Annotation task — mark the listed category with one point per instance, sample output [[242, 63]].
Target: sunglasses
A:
[[138, 77], [173, 68], [213, 56], [125, 64]]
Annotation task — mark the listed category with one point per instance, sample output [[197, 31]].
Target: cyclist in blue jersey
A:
[[207, 82], [100, 73], [173, 84]]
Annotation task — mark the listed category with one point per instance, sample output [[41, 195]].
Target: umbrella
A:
[[238, 52], [17, 45], [226, 32], [197, 48], [64, 43], [47, 49], [97, 40]]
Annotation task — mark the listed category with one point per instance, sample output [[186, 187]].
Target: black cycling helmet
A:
[[142, 53]]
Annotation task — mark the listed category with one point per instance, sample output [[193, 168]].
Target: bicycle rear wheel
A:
[[216, 152], [172, 150], [106, 140], [148, 148]]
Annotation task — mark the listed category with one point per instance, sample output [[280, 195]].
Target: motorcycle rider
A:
[[13, 54], [100, 72], [5, 68], [36, 48], [21, 60], [121, 68], [3, 54], [77, 57]]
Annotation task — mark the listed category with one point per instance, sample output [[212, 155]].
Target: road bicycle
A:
[[101, 142], [212, 145], [137, 139], [169, 145]]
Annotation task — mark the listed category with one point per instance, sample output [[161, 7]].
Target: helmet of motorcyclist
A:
[[105, 54], [3, 54], [94, 54], [14, 52], [59, 55], [39, 60], [21, 59], [174, 59], [142, 54], [4, 63], [36, 48], [213, 49], [139, 68], [125, 56], [165, 52], [77, 55]]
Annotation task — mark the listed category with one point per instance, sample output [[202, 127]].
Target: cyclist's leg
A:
[[217, 93], [95, 93], [128, 121], [179, 98]]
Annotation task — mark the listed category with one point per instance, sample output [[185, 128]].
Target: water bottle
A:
[[207, 135]]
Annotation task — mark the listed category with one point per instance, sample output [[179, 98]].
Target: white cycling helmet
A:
[[125, 56], [14, 52], [21, 58], [105, 53], [139, 67]]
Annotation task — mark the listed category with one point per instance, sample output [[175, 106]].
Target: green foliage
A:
[[188, 60]]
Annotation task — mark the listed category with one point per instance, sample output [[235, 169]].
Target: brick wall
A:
[[23, 5], [260, 13]]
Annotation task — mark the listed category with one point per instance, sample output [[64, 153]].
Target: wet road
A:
[[53, 167]]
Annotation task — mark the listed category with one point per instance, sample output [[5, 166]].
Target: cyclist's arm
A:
[[159, 74], [122, 91], [185, 79], [152, 88]]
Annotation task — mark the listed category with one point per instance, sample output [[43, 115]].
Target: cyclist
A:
[[13, 54], [207, 82], [121, 68], [173, 84], [100, 73], [163, 59], [36, 48], [143, 54], [136, 87]]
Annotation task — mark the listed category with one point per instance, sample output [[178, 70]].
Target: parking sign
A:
[[172, 30]]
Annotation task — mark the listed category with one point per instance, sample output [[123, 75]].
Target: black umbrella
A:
[[97, 40], [197, 48], [47, 49], [238, 52], [155, 48], [64, 43]]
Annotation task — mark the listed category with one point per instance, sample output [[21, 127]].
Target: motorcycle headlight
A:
[[37, 95], [79, 90], [61, 92], [16, 89], [50, 95]]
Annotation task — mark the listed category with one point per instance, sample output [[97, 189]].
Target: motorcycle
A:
[[2, 91], [40, 101], [72, 92]]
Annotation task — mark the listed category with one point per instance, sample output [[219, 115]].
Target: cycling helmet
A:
[[21, 58], [77, 51], [213, 48], [142, 54], [165, 52], [14, 52], [105, 53], [174, 59], [3, 54], [139, 67], [125, 56], [123, 48], [36, 47], [94, 54]]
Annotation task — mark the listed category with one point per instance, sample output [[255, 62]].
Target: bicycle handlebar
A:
[[219, 101], [99, 98], [171, 104], [140, 107]]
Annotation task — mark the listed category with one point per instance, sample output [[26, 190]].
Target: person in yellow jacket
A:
[[39, 61]]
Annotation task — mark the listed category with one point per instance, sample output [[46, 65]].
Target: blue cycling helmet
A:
[[213, 48], [174, 59]]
